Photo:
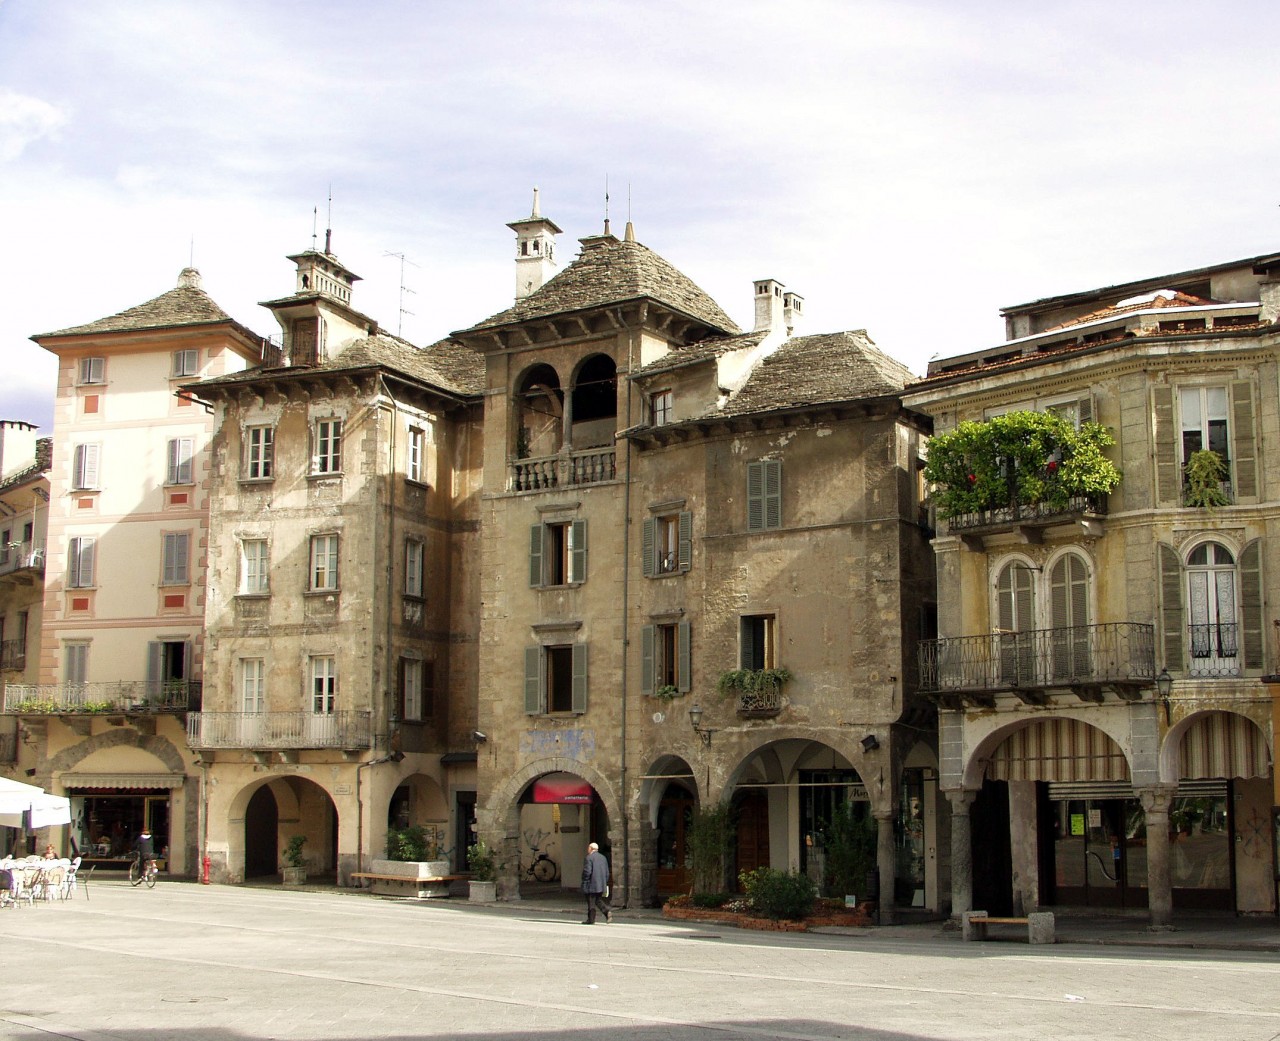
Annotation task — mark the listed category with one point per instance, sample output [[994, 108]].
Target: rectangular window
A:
[[186, 363], [92, 370], [415, 454], [328, 447], [260, 452], [6, 545], [413, 568], [667, 544], [558, 553], [324, 562], [253, 566], [661, 409], [757, 636], [764, 495], [411, 689], [324, 684], [80, 563], [1204, 420], [84, 467], [664, 658], [253, 685], [555, 679], [75, 663], [181, 450], [176, 549]]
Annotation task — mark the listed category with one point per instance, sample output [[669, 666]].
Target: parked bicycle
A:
[[543, 868], [140, 871]]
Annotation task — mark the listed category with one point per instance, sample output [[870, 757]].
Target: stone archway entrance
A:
[[296, 806], [559, 814]]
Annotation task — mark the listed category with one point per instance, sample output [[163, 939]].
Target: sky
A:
[[907, 167]]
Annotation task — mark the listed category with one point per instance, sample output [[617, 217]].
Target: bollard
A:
[[204, 874]]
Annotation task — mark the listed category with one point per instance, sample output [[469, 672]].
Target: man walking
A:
[[595, 880]]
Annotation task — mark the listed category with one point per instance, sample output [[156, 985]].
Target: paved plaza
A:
[[215, 963]]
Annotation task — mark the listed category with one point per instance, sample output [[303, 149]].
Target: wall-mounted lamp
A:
[[695, 721], [479, 737], [870, 743], [1164, 687]]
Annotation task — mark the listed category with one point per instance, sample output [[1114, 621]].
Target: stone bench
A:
[[420, 879], [1039, 925]]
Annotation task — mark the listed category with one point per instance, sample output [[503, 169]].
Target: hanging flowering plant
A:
[[1019, 458]]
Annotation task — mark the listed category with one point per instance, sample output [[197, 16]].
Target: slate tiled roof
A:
[[703, 350], [813, 370], [446, 364], [611, 271], [185, 305]]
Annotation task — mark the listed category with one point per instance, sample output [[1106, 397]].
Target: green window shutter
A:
[[533, 681], [684, 558], [1172, 626], [579, 678], [1168, 471], [1251, 613], [648, 539], [772, 493], [536, 534], [747, 652], [1084, 411], [755, 496], [155, 652], [683, 662], [647, 636], [578, 551], [1243, 442]]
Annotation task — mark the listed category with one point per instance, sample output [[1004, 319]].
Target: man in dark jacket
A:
[[595, 880]]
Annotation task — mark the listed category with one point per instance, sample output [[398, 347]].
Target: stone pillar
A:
[[886, 863], [1155, 803], [961, 851]]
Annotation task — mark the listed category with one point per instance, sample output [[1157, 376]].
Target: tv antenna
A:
[[403, 288]]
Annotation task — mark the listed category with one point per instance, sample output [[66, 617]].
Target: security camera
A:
[[478, 736]]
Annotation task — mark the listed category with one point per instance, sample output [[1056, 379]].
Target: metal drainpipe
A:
[[390, 605], [626, 574]]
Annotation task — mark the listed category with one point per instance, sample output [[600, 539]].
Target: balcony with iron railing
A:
[[1083, 660], [1029, 519], [13, 655], [1214, 650], [567, 469], [22, 559], [280, 730], [119, 696]]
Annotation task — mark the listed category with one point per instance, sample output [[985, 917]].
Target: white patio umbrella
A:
[[17, 799]]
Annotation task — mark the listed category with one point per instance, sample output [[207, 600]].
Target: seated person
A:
[[50, 853]]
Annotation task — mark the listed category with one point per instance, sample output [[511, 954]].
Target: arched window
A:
[[1069, 617], [595, 402], [539, 414], [1015, 621], [1212, 609]]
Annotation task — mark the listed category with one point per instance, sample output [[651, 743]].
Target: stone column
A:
[[1155, 803], [886, 864], [961, 851]]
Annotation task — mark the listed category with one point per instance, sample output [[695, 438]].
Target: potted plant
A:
[[294, 872], [483, 886], [1206, 473]]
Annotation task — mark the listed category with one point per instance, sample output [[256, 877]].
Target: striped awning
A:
[[1058, 750], [1223, 744], [73, 781]]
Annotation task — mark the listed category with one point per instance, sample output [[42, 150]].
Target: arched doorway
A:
[[261, 825], [560, 813], [299, 807], [418, 816]]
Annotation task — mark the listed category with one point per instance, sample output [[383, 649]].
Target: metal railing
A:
[[760, 704], [1020, 513], [45, 699], [348, 729], [21, 556], [1113, 653], [13, 655], [570, 468], [1215, 649]]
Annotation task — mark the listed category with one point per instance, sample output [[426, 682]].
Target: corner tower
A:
[[535, 250]]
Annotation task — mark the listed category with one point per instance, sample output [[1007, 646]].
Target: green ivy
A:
[[1019, 458], [752, 681]]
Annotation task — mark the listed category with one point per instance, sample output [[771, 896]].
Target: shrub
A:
[[480, 861], [293, 851], [779, 894], [709, 837], [412, 843], [710, 899]]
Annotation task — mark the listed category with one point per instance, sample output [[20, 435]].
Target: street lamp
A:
[[695, 721], [1164, 686]]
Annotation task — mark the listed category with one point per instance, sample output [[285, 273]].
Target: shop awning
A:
[[562, 788], [72, 781]]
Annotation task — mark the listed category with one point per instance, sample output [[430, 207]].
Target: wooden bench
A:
[[405, 885], [1039, 925]]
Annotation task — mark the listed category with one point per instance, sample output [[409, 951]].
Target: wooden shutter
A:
[[1251, 613], [155, 662], [747, 645], [684, 553], [772, 493], [647, 636], [683, 656], [648, 537], [578, 551], [86, 466], [1168, 488], [1244, 449], [1172, 626], [579, 678], [755, 496], [533, 681], [1084, 411], [536, 535]]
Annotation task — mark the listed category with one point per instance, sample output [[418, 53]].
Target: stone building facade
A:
[[1107, 737]]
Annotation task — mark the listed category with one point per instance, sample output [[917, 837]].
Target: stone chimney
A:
[[792, 311], [770, 306]]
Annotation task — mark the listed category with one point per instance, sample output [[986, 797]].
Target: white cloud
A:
[[23, 120]]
